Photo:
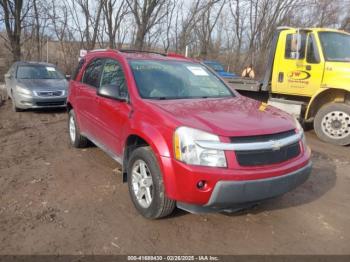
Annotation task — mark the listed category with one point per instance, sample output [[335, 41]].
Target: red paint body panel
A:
[[111, 122]]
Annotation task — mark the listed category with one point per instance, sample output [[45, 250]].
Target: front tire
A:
[[332, 123], [76, 139], [146, 186], [14, 106]]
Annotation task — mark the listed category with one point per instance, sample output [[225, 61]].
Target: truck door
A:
[[298, 69]]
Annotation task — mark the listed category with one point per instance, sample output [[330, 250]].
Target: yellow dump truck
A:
[[308, 75]]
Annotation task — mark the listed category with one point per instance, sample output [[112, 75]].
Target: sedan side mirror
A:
[[112, 92], [8, 76]]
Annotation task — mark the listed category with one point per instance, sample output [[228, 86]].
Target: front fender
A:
[[324, 96], [160, 140]]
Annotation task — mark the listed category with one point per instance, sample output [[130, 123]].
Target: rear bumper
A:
[[237, 194]]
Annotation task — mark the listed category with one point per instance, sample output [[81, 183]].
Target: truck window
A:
[[312, 54], [336, 46], [293, 46]]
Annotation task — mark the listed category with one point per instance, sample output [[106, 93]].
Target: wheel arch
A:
[[149, 137], [326, 96], [69, 106]]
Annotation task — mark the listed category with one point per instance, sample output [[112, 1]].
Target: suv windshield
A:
[[38, 72], [176, 80], [336, 46]]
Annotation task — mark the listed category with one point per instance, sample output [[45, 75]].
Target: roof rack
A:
[[140, 51], [98, 50]]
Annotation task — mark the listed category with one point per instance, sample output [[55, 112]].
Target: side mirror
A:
[[112, 92], [68, 77], [8, 76]]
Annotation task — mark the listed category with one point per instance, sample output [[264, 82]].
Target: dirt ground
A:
[[58, 200]]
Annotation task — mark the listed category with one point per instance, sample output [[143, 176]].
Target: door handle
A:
[[97, 100], [281, 77], [308, 67]]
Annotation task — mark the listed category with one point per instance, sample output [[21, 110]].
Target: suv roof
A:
[[137, 54]]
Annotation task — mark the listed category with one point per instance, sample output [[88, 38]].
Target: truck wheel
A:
[[146, 186], [332, 123], [76, 139]]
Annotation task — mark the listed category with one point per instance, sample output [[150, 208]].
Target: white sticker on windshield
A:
[[197, 71], [51, 69]]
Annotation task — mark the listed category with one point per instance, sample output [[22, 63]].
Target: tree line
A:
[[236, 32]]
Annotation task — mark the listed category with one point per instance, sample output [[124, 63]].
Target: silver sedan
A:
[[35, 85]]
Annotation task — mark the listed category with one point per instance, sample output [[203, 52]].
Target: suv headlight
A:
[[187, 151], [298, 126], [299, 129], [22, 90]]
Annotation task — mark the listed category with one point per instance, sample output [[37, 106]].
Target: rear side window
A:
[[92, 73], [77, 69]]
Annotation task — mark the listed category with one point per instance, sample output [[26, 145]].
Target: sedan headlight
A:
[[22, 90], [187, 151]]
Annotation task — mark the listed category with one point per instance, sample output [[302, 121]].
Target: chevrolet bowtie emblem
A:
[[276, 145]]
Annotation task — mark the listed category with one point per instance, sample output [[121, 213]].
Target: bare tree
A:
[[115, 13], [89, 27], [208, 21], [147, 14], [14, 13]]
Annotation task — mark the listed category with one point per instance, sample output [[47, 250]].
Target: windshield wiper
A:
[[166, 98]]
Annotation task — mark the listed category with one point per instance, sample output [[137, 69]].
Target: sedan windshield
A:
[[38, 72], [176, 80], [336, 46]]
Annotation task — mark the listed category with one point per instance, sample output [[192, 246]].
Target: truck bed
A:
[[244, 84]]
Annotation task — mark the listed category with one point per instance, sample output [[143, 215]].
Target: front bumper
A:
[[26, 102], [228, 195]]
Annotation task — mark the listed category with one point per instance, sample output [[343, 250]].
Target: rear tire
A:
[[76, 139], [332, 123], [146, 187]]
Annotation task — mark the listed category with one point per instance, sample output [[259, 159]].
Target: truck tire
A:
[[75, 138], [146, 186], [332, 123]]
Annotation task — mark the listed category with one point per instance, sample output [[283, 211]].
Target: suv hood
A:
[[44, 84], [236, 116]]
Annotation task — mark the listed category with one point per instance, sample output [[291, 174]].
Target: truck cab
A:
[[308, 75]]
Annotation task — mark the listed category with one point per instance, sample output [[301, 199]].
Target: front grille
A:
[[50, 93], [51, 103], [262, 138], [266, 156]]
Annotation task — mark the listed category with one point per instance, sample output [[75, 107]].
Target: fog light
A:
[[201, 184]]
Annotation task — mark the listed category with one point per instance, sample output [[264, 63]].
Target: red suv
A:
[[182, 136]]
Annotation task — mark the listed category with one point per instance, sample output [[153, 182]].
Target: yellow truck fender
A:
[[325, 96]]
